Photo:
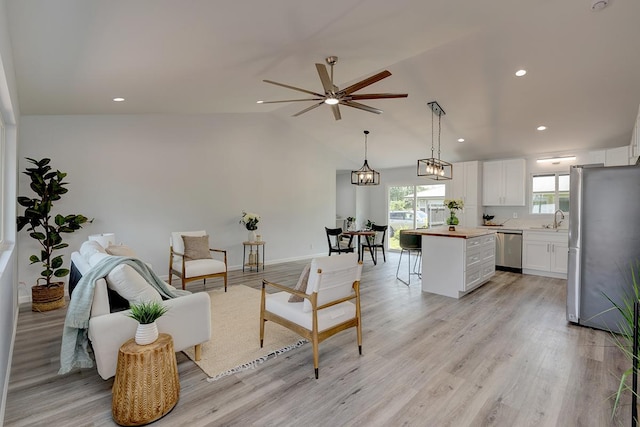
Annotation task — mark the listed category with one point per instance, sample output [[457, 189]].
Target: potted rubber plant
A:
[[47, 229], [146, 313]]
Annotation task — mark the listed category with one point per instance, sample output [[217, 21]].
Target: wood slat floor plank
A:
[[503, 355]]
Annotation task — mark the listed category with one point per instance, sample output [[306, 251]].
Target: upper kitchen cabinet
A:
[[466, 185], [634, 147], [504, 183]]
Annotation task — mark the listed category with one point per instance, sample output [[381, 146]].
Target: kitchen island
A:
[[456, 262]]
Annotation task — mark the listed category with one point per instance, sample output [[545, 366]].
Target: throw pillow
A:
[[302, 284], [196, 247], [89, 248], [121, 250], [130, 285]]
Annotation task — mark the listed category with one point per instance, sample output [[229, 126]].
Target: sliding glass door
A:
[[414, 206]]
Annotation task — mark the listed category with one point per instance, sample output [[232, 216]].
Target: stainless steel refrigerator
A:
[[604, 241]]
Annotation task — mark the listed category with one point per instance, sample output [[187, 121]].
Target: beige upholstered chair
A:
[[330, 302], [193, 261]]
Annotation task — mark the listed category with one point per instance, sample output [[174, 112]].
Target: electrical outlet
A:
[[515, 215]]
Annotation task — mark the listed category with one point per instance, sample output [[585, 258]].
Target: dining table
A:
[[359, 234]]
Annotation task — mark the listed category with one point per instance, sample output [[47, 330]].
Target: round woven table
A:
[[146, 386]]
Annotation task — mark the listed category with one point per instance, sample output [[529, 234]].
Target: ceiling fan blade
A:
[[378, 96], [361, 107], [366, 82], [294, 88], [336, 111], [308, 109], [327, 84], [292, 100]]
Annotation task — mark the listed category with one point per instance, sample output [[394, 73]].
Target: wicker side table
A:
[[146, 386]]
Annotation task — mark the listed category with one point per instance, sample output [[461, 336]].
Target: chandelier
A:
[[365, 175], [433, 167]]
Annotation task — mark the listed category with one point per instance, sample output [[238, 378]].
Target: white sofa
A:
[[188, 319]]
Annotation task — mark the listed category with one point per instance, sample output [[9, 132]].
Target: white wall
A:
[[8, 263], [145, 176]]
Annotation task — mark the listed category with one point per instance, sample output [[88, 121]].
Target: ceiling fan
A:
[[334, 96]]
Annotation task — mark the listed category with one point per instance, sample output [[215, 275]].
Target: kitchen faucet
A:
[[557, 223]]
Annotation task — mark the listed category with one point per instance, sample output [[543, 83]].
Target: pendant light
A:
[[433, 167], [365, 175]]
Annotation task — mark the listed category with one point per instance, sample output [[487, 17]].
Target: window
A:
[[550, 192], [414, 206]]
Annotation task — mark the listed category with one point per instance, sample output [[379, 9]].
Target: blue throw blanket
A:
[[75, 339]]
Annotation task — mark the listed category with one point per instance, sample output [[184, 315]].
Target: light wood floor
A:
[[503, 355]]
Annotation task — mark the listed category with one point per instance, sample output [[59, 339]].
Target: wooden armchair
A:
[[190, 258], [329, 304]]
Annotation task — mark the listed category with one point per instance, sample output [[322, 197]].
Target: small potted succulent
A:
[[146, 313], [47, 229]]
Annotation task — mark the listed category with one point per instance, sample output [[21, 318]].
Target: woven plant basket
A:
[[47, 298]]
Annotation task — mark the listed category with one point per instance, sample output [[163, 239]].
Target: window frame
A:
[[556, 193]]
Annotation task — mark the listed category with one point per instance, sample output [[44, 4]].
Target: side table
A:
[[254, 257], [146, 386]]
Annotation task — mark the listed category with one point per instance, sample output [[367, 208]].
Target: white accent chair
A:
[[331, 302], [195, 269]]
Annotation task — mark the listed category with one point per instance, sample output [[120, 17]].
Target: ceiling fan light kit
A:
[[433, 167], [365, 175], [334, 96]]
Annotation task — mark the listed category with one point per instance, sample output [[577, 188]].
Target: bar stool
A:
[[409, 243]]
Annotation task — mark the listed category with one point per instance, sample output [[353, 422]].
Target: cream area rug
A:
[[235, 334]]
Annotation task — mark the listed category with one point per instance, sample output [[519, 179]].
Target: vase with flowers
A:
[[453, 205], [250, 221]]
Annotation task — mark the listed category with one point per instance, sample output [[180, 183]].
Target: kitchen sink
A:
[[549, 229]]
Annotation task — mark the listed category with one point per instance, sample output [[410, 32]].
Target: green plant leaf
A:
[[34, 259], [147, 312], [61, 272]]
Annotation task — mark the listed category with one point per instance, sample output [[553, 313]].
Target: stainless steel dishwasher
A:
[[509, 250]]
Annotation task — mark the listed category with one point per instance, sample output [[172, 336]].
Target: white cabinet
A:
[[617, 156], [504, 183], [634, 147], [466, 185], [453, 266], [545, 253]]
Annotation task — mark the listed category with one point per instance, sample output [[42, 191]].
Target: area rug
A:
[[235, 334]]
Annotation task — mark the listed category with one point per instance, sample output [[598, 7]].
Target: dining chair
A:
[[373, 243], [337, 242], [330, 302], [409, 243]]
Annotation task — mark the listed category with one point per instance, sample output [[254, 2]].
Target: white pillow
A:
[[96, 258], [131, 286], [89, 248]]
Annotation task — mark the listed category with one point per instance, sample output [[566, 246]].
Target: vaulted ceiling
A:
[[207, 57]]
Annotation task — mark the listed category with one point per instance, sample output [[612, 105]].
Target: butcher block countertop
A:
[[461, 233]]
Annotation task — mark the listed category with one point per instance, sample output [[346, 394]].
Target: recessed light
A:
[[521, 73], [118, 99], [541, 128], [259, 102], [460, 139]]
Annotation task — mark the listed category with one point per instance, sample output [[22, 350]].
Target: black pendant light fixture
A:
[[365, 175], [433, 167]]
